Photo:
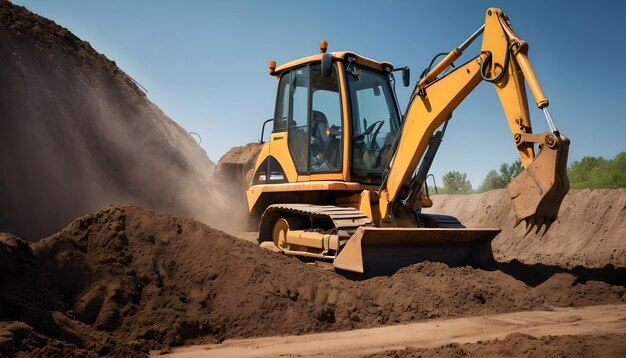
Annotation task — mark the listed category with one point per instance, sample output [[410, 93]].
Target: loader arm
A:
[[539, 190]]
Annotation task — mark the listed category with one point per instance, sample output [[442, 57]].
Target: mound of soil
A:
[[589, 231], [523, 345], [126, 279], [78, 134], [244, 155]]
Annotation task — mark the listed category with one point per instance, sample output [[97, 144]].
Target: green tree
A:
[[581, 172], [456, 183], [597, 172], [510, 172], [493, 180], [498, 180]]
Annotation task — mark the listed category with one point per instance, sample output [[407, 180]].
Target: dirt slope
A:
[[77, 134], [590, 230], [127, 279]]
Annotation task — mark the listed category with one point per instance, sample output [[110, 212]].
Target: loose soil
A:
[[523, 345], [125, 279], [590, 230]]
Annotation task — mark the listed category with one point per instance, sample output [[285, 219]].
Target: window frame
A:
[[341, 120], [308, 120], [287, 128], [371, 177]]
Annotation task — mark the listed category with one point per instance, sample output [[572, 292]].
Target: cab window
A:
[[298, 118], [282, 103], [309, 106], [326, 130], [375, 121]]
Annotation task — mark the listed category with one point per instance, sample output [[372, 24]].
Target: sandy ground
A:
[[595, 320], [590, 230], [522, 345]]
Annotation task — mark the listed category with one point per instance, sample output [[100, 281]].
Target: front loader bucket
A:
[[537, 193], [374, 250]]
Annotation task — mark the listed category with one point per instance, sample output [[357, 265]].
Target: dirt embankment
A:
[[78, 134], [590, 230], [125, 279]]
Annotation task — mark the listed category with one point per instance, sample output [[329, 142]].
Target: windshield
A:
[[375, 121]]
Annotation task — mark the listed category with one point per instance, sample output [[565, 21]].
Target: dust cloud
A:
[[77, 134]]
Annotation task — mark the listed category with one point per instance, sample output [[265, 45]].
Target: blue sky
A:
[[204, 63]]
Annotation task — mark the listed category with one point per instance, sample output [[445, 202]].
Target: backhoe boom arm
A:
[[539, 190]]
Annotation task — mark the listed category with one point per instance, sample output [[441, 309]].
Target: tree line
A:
[[587, 173]]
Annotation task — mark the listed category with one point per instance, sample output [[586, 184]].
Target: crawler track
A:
[[346, 220]]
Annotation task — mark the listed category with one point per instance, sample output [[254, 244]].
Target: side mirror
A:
[[327, 64], [263, 129], [406, 76]]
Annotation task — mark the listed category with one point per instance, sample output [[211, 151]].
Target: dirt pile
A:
[[33, 317], [236, 169], [244, 155], [590, 230], [524, 345], [127, 279], [78, 134]]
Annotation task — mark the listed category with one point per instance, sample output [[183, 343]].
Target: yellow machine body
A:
[[338, 178]]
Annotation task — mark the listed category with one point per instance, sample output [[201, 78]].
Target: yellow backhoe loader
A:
[[341, 176]]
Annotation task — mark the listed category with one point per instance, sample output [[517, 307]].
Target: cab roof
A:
[[337, 56]]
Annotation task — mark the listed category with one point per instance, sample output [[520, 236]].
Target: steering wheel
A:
[[369, 130]]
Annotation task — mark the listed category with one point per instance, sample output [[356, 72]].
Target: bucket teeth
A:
[[539, 223], [530, 224], [538, 191], [548, 224]]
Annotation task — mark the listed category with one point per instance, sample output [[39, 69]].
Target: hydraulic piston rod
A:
[[451, 57]]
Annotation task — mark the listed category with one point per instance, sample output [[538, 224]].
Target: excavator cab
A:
[[341, 175], [339, 125]]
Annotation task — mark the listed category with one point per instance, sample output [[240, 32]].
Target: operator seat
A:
[[319, 138], [319, 123]]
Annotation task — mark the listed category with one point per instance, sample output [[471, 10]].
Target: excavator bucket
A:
[[376, 250], [537, 193]]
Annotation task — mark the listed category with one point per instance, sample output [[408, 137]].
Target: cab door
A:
[[326, 139], [308, 130]]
